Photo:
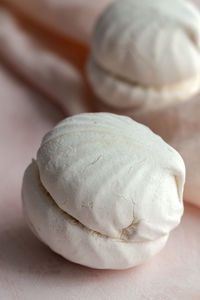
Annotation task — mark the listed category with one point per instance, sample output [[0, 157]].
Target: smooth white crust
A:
[[152, 44], [121, 94], [114, 177]]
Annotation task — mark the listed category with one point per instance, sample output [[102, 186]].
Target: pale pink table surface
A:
[[29, 270]]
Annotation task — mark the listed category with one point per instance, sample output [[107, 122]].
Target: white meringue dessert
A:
[[145, 54], [104, 192]]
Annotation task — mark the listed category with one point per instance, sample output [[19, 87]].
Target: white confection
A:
[[146, 53], [105, 191]]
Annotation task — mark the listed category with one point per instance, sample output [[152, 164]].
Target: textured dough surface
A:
[[117, 181], [146, 51], [72, 240]]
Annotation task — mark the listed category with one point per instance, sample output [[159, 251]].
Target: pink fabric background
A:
[[29, 270]]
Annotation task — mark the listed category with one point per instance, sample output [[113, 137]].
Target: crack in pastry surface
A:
[[78, 223]]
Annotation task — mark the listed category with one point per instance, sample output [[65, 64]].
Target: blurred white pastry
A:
[[105, 191], [145, 54]]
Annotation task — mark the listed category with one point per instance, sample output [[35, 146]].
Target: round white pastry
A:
[[105, 191], [146, 53]]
